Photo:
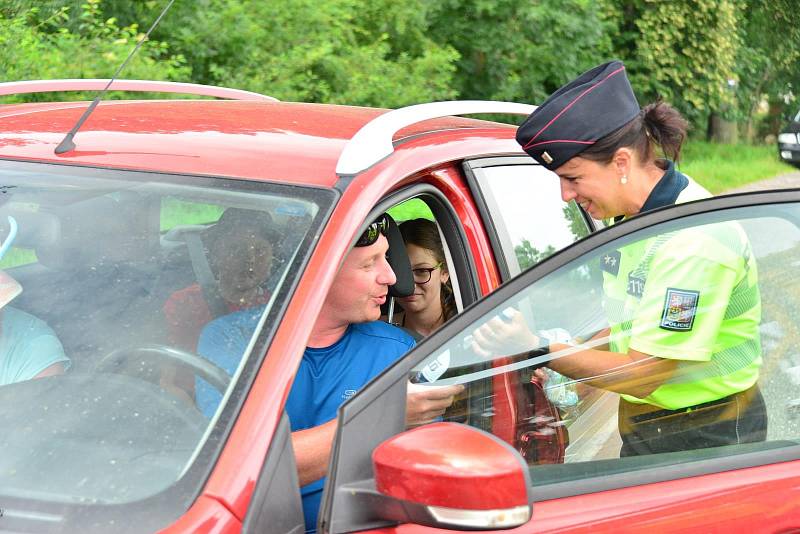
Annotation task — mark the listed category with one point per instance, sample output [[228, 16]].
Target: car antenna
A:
[[67, 143]]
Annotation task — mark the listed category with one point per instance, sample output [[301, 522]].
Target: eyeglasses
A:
[[376, 228], [422, 275]]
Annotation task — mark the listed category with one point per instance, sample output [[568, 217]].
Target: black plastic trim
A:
[[276, 507], [483, 208]]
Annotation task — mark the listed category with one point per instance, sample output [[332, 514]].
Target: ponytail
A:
[[666, 127], [657, 125]]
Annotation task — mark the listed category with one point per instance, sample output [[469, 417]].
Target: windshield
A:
[[109, 282]]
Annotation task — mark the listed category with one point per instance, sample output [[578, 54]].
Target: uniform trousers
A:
[[648, 429]]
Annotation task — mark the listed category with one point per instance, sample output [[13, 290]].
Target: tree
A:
[[520, 51], [359, 52], [681, 51], [767, 61], [528, 255], [37, 43]]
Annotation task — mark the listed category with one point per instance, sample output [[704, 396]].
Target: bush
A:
[[36, 44]]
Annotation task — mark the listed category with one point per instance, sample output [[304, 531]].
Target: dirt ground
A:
[[783, 181]]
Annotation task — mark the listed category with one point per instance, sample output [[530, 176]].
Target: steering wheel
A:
[[211, 373]]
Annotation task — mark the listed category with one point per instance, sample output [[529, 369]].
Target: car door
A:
[[738, 486], [527, 222]]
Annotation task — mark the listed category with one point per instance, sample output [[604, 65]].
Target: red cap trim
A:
[[561, 141]]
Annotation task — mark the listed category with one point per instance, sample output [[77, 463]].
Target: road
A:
[[784, 181]]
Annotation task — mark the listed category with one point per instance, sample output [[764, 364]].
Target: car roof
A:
[[286, 142]]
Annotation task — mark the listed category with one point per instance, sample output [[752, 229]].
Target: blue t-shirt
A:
[[223, 342], [329, 376], [27, 346], [325, 379]]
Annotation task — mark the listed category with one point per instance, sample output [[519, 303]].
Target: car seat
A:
[[97, 293]]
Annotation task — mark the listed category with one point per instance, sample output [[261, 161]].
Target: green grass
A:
[[722, 167], [413, 208], [18, 256], [176, 212]]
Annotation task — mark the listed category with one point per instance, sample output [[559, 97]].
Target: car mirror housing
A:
[[454, 476]]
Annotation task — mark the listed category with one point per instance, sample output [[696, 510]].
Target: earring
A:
[[624, 179]]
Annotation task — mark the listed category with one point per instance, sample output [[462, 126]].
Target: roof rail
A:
[[373, 141], [146, 86]]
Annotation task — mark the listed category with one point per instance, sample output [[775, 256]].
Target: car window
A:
[[525, 207], [150, 301], [725, 274]]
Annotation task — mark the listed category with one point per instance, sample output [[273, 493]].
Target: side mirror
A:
[[451, 475]]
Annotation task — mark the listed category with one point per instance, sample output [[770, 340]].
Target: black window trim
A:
[[373, 422]]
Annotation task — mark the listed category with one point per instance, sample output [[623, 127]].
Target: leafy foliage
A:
[[682, 52], [386, 53], [360, 52], [520, 51], [39, 44]]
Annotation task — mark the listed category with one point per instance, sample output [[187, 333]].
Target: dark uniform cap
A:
[[573, 118]]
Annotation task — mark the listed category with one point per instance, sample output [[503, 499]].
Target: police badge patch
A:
[[680, 307]]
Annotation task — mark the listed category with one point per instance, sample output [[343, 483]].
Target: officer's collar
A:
[[666, 191]]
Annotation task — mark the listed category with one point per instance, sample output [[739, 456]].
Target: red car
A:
[[110, 245]]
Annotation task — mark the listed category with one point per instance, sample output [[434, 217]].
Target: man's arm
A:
[[312, 447], [312, 450]]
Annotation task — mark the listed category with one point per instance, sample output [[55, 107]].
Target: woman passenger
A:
[[432, 302]]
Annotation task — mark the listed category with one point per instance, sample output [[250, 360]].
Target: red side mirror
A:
[[463, 476]]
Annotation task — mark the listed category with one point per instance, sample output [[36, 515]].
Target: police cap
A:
[[573, 118]]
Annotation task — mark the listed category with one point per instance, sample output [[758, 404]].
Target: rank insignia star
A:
[[610, 262]]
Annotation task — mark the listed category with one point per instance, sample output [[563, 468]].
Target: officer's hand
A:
[[504, 336], [426, 403]]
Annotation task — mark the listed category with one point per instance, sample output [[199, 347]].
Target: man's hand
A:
[[426, 403]]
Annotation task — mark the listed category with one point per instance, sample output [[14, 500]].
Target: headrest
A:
[[101, 231], [398, 260]]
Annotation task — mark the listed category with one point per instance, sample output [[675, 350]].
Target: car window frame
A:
[[377, 412], [463, 265]]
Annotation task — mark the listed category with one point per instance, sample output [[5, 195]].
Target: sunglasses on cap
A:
[[374, 230]]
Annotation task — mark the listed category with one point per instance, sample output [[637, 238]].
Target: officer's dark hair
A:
[[658, 124]]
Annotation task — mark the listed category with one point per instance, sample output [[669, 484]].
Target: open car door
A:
[[461, 476]]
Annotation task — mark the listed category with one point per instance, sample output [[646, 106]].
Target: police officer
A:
[[683, 307]]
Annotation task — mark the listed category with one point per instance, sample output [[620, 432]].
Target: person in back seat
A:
[[28, 347], [240, 247], [432, 303]]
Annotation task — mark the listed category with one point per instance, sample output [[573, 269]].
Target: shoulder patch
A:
[[609, 262], [680, 308]]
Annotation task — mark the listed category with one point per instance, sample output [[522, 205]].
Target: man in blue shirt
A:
[[348, 346]]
